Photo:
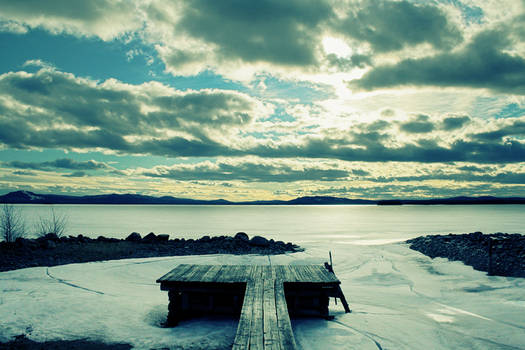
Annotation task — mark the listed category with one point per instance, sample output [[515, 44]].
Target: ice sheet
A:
[[400, 300]]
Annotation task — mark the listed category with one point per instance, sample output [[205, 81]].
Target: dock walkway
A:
[[263, 295]]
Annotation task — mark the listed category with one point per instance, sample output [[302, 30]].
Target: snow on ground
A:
[[400, 300]]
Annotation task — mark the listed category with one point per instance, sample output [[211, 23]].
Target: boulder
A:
[[134, 237], [259, 241], [51, 237], [150, 237], [163, 238], [48, 244], [242, 236]]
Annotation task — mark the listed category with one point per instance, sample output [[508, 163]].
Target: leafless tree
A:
[[56, 223], [11, 223]]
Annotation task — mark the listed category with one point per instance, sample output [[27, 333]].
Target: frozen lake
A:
[[361, 224], [400, 298]]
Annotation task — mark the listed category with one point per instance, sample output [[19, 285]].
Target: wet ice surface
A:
[[400, 300]]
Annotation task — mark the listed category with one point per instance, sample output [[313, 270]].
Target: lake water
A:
[[339, 224]]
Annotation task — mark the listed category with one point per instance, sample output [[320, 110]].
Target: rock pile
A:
[[52, 250], [500, 254]]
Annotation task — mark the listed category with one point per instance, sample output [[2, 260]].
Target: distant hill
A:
[[26, 197]]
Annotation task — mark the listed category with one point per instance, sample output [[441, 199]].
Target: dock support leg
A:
[[174, 308], [343, 299]]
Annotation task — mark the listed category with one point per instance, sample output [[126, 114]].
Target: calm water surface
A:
[[342, 224]]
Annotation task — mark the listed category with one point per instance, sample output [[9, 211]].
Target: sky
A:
[[247, 100]]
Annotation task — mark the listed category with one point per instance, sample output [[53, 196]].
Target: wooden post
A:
[[490, 271], [174, 308]]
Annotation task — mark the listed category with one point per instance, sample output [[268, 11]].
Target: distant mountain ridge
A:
[[26, 197]]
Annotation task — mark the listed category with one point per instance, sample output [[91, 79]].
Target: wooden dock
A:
[[263, 296]]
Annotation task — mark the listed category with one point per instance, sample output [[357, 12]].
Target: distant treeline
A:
[[26, 197]]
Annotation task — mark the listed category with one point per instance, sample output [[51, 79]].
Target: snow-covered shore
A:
[[400, 299]]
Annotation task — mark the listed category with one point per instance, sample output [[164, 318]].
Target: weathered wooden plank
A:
[[271, 331], [241, 273], [297, 271], [173, 274], [317, 275], [327, 276], [257, 326], [225, 274], [242, 337], [195, 274], [286, 337], [256, 273], [288, 274], [210, 275]]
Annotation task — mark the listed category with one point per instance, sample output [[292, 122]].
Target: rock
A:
[[48, 244], [134, 237], [150, 237], [259, 241], [20, 241], [242, 236], [51, 237], [163, 238]]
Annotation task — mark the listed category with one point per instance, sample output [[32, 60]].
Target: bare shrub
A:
[[55, 223], [12, 223]]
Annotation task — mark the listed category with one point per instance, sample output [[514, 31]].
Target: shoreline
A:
[[51, 250], [498, 254]]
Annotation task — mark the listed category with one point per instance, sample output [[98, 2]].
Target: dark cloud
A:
[[104, 18], [281, 32], [105, 115], [499, 178], [475, 169], [24, 173], [418, 125], [453, 123], [483, 63], [249, 171], [516, 128], [360, 172], [64, 112], [64, 163], [346, 64], [392, 25], [369, 148], [408, 191], [76, 174]]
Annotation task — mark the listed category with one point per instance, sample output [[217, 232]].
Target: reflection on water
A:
[[354, 224]]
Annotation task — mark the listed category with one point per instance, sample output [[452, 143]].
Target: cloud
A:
[[76, 174], [103, 18], [420, 124], [249, 170], [483, 63], [24, 173], [498, 178], [52, 109], [408, 191], [63, 163], [454, 123], [393, 25], [12, 27], [515, 127], [284, 33]]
